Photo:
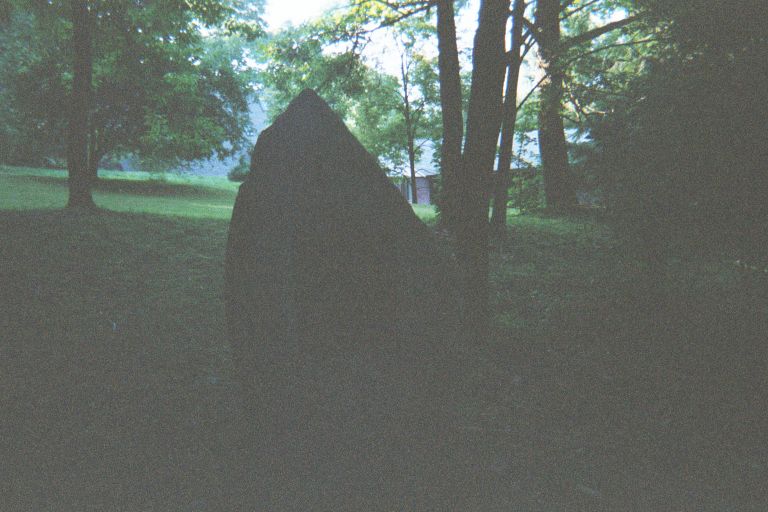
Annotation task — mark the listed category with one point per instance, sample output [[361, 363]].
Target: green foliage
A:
[[682, 155], [297, 59], [327, 55], [527, 191], [33, 90], [162, 90], [600, 70]]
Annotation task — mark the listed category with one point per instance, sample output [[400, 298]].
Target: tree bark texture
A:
[[502, 181], [450, 103], [558, 185], [80, 179], [483, 124]]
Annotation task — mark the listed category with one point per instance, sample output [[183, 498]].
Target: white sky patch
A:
[[384, 48], [278, 13]]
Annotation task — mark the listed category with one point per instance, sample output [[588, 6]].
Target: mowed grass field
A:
[[116, 388], [134, 192]]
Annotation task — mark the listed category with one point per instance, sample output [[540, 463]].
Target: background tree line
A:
[[668, 94], [163, 80]]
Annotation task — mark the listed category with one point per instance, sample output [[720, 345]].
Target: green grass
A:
[[196, 197], [427, 213], [132, 192], [116, 386]]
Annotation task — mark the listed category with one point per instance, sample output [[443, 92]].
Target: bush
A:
[[52, 162], [240, 171], [682, 164], [527, 190]]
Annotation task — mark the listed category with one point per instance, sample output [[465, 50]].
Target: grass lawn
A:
[[135, 192], [117, 393]]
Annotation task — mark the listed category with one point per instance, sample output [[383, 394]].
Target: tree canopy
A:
[[162, 88]]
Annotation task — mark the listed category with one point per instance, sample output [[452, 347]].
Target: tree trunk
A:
[[409, 131], [80, 179], [412, 164], [501, 183], [450, 103], [95, 154], [94, 159], [483, 124], [558, 186]]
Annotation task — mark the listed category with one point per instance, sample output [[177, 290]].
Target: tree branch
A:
[[421, 144], [602, 48], [418, 6], [530, 93], [532, 29], [526, 48], [610, 46], [577, 9], [597, 32], [388, 22], [398, 6]]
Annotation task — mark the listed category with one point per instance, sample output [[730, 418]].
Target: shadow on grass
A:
[[114, 369], [643, 389], [117, 389], [149, 187]]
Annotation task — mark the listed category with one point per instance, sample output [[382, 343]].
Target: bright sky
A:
[[280, 12]]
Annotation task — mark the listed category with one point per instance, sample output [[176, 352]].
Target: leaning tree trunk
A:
[[558, 186], [80, 179], [450, 103], [483, 124], [501, 183]]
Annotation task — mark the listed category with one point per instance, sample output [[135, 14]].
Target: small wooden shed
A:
[[425, 185]]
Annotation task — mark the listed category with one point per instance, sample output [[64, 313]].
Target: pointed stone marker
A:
[[343, 320]]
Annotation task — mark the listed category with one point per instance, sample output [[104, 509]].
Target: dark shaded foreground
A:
[[345, 326], [582, 400], [116, 383]]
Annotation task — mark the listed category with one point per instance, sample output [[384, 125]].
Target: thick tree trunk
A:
[[80, 179], [558, 186], [501, 183], [450, 103], [483, 124]]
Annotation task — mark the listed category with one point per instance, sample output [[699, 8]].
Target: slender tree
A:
[[418, 100], [80, 181], [501, 181], [408, 118]]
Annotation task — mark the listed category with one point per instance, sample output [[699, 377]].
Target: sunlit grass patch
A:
[[23, 188]]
